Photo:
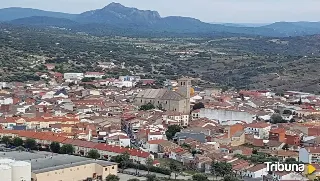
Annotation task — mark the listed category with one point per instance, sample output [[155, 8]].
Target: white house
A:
[[259, 130], [257, 171], [155, 136], [73, 76], [97, 75], [48, 95], [6, 100], [175, 117], [309, 154], [288, 176], [153, 146]]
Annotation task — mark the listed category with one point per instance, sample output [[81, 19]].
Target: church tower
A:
[[184, 85]]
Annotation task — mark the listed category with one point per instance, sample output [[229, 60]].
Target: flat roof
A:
[[46, 161]]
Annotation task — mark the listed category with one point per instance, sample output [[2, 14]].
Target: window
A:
[[112, 167], [166, 102], [106, 169]]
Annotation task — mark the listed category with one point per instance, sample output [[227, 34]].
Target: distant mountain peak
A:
[[114, 5]]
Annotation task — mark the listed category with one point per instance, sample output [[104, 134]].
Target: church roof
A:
[[163, 94]]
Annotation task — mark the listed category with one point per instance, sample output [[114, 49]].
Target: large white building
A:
[[11, 170], [226, 117]]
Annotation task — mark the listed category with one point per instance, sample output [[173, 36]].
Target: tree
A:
[[31, 144], [172, 130], [93, 154], [198, 105], [175, 168], [276, 118], [285, 147], [230, 178], [17, 141], [55, 147], [149, 163], [112, 178], [123, 159], [151, 177], [254, 151], [6, 140], [146, 107], [67, 149], [199, 177], [221, 168]]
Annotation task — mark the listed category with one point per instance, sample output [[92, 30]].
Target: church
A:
[[178, 100]]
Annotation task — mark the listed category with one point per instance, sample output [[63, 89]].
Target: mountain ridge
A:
[[119, 16]]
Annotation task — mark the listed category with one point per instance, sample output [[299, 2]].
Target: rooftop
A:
[[44, 161]]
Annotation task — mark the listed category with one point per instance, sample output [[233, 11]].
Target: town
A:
[[131, 127]]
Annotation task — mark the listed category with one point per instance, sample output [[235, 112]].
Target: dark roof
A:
[[196, 136], [61, 91]]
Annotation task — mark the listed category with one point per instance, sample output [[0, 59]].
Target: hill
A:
[[118, 19], [9, 14]]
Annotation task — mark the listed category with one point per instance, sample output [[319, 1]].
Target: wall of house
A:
[[238, 140], [152, 148], [225, 115], [155, 137], [125, 142]]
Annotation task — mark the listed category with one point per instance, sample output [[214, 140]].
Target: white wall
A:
[[225, 115]]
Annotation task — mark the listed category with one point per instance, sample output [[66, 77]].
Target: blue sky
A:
[[229, 11]]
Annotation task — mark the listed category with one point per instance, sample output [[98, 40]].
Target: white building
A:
[[181, 119], [226, 117], [6, 100], [70, 76], [259, 130], [11, 170], [288, 176], [257, 171], [96, 75]]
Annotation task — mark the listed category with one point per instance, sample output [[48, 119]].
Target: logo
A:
[[289, 167]]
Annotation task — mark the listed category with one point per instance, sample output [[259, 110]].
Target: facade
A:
[[168, 100], [97, 75], [70, 76], [278, 134], [226, 117], [257, 171], [259, 130]]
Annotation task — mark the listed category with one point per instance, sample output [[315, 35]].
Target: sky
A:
[[220, 11]]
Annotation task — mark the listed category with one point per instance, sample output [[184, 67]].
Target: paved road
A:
[[125, 177], [159, 174]]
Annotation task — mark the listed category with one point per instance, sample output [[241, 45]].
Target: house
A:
[[238, 138], [260, 130], [118, 140], [72, 76], [288, 176], [278, 134], [293, 139], [172, 117], [96, 75], [274, 145], [181, 136], [152, 146], [257, 171], [167, 146], [309, 154]]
